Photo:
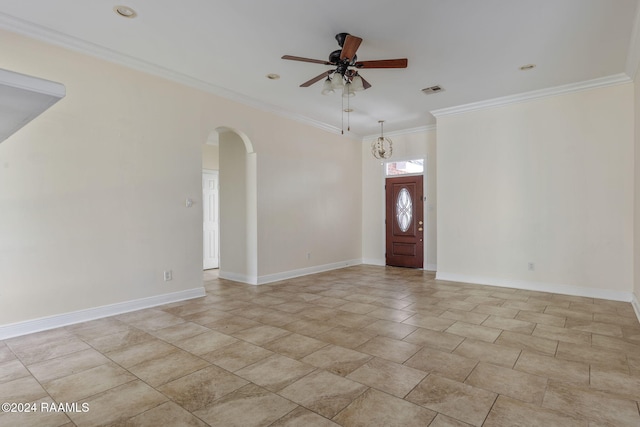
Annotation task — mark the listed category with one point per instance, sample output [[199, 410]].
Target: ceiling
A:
[[473, 49]]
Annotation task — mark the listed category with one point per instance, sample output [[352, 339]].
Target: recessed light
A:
[[528, 67], [348, 110], [273, 76], [125, 11]]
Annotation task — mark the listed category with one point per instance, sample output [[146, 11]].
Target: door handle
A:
[[420, 229], [420, 222]]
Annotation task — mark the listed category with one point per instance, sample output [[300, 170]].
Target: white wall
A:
[[405, 146], [92, 193], [548, 181]]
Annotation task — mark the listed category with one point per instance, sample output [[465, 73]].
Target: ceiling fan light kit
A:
[[327, 87], [356, 83], [348, 91], [345, 76], [337, 81]]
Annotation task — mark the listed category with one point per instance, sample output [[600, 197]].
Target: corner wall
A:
[[309, 203], [235, 251], [636, 217], [548, 182]]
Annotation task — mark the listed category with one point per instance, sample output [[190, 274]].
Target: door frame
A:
[[216, 172], [383, 204], [404, 248]]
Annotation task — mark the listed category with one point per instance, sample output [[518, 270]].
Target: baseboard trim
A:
[[537, 286], [51, 322], [236, 277], [431, 267], [270, 278], [636, 305]]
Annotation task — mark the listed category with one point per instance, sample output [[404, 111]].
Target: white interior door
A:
[[211, 222]]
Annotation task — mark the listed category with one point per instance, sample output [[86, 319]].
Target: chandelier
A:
[[382, 148]]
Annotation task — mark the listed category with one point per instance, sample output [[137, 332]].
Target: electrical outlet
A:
[[531, 266], [168, 275]]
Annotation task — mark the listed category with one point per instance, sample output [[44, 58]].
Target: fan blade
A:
[[365, 83], [315, 79], [383, 63], [299, 58], [351, 44]]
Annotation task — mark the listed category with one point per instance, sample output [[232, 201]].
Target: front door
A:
[[404, 222], [210, 221]]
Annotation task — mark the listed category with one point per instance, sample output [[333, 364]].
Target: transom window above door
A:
[[404, 167]]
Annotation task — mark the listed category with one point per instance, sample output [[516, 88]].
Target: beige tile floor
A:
[[361, 346]]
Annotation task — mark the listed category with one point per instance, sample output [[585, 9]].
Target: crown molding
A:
[[19, 26], [613, 80]]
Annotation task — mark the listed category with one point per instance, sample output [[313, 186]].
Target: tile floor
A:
[[361, 346]]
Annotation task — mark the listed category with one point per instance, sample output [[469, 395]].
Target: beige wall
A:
[[406, 146], [92, 193], [211, 157], [309, 200], [549, 181], [234, 187]]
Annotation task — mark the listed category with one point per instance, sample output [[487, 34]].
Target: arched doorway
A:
[[237, 205]]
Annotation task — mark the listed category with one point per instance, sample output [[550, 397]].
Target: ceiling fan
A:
[[347, 65]]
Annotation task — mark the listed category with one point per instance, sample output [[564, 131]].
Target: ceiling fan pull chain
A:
[[342, 125], [348, 115]]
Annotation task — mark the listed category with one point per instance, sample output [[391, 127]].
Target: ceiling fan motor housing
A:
[[340, 38], [334, 57], [342, 64]]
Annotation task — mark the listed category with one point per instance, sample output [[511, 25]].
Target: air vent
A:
[[432, 89]]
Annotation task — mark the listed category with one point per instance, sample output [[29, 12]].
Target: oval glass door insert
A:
[[404, 211]]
